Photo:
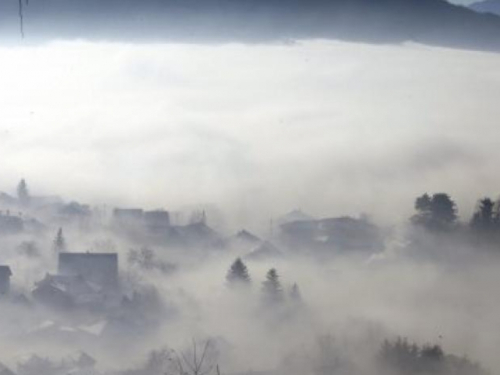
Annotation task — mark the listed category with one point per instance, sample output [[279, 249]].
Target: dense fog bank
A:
[[315, 207], [350, 128]]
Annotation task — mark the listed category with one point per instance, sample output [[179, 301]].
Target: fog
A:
[[247, 133], [330, 127]]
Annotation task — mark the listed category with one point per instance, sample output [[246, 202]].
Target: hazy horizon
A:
[[351, 128]]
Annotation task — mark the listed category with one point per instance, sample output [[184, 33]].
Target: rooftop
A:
[[5, 270]]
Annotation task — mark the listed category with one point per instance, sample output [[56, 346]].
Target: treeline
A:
[[439, 213], [402, 357], [271, 289]]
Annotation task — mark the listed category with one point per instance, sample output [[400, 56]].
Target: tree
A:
[[401, 357], [196, 361], [443, 209], [146, 259], [271, 287], [295, 295], [59, 242], [484, 218], [435, 213], [238, 274], [200, 359], [423, 203], [22, 192]]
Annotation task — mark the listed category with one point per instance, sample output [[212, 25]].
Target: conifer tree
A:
[[436, 213], [22, 192], [59, 242], [484, 218], [295, 295], [271, 287], [238, 273]]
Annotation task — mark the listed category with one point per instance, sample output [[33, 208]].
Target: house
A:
[[128, 216], [7, 200], [5, 274], [245, 236], [347, 233], [266, 250], [200, 235], [338, 234], [293, 216], [74, 211], [10, 224], [66, 291], [157, 221], [100, 269], [243, 241], [299, 234], [52, 294]]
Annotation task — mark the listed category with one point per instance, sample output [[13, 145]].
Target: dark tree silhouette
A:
[[443, 209], [238, 274], [200, 359], [423, 203], [22, 192], [484, 219], [438, 213], [271, 287], [59, 242], [432, 359], [295, 295], [401, 357]]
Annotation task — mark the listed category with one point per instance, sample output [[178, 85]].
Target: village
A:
[[81, 285], [84, 296]]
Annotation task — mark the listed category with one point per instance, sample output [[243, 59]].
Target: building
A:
[[154, 222], [127, 216], [97, 268], [5, 274], [10, 224], [157, 221], [333, 234], [53, 293]]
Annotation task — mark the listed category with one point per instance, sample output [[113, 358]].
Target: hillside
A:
[[386, 21], [486, 6]]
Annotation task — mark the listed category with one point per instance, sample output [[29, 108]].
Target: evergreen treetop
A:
[[238, 273]]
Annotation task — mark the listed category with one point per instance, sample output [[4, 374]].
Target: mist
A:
[[350, 128], [210, 139]]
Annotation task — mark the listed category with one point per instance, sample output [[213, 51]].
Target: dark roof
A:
[[5, 270], [100, 268], [265, 250], [293, 216], [96, 256], [128, 212], [245, 235]]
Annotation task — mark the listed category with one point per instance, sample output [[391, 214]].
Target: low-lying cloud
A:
[[333, 128]]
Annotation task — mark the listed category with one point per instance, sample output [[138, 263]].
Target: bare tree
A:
[[199, 360]]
